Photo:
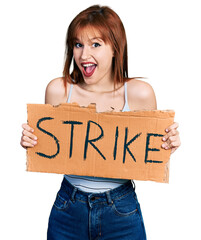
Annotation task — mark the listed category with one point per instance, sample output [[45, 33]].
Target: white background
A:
[[164, 46]]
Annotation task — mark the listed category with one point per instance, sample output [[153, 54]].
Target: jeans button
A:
[[93, 198]]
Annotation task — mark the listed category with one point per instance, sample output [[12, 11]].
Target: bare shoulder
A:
[[141, 95], [55, 92]]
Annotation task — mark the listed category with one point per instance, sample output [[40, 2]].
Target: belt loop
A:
[[73, 195], [110, 202], [133, 183], [89, 200]]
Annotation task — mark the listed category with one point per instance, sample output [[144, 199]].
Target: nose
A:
[[85, 53]]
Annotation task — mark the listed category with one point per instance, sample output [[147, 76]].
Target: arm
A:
[[141, 96], [54, 94]]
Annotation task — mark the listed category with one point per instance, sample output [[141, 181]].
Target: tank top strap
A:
[[126, 97], [70, 92], [126, 107]]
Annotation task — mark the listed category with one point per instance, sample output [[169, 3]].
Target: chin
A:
[[89, 81]]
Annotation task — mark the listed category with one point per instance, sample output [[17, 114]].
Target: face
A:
[[93, 57]]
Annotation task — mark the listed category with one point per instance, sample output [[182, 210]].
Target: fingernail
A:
[[163, 145], [166, 130], [35, 138], [163, 139]]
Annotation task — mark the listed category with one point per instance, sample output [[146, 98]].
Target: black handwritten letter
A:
[[71, 135], [87, 141], [151, 149], [115, 145], [49, 134], [127, 144]]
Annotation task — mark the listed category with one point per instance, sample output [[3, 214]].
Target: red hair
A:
[[112, 31]]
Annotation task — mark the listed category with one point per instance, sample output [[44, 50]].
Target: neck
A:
[[102, 86], [97, 88]]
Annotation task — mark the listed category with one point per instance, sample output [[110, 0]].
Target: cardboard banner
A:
[[78, 140]]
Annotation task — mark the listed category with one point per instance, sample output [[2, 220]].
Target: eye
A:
[[78, 45], [96, 45]]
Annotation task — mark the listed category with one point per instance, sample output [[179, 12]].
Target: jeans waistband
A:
[[108, 196]]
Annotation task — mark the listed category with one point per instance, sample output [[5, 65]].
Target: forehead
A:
[[88, 33]]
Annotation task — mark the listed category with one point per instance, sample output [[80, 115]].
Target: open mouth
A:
[[88, 69]]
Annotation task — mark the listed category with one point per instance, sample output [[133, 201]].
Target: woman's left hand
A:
[[171, 139]]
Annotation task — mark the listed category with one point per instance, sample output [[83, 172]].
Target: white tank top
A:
[[96, 184]]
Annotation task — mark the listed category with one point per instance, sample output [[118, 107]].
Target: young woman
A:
[[89, 207]]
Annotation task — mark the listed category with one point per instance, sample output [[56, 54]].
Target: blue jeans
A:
[[112, 215]]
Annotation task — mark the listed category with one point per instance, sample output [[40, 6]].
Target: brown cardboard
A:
[[78, 140]]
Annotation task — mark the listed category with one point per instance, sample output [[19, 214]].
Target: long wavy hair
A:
[[112, 31]]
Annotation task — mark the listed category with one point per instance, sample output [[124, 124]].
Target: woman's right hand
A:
[[28, 139]]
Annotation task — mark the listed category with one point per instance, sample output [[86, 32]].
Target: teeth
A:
[[87, 65]]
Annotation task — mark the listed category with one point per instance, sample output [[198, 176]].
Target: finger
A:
[[26, 139], [27, 127], [176, 143], [165, 146], [173, 132], [28, 134], [171, 127], [26, 144], [172, 142]]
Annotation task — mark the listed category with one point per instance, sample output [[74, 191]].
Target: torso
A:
[[104, 101], [140, 96]]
